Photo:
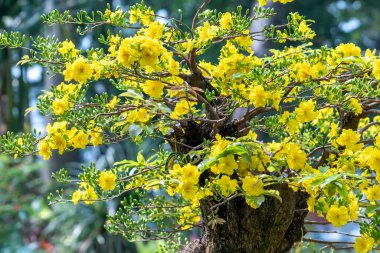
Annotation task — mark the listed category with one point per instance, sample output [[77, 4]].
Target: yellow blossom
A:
[[350, 139], [373, 193], [44, 149], [89, 196], [206, 32], [77, 196], [301, 71], [376, 69], [258, 96], [154, 89], [296, 158], [219, 145], [154, 30], [96, 137], [60, 105], [226, 20], [79, 139], [58, 141], [348, 50], [188, 190], [181, 108], [226, 165], [227, 185], [81, 70], [262, 2], [112, 103], [338, 216], [355, 103], [364, 244], [126, 55], [67, 47], [306, 111], [107, 180], [253, 186], [190, 173]]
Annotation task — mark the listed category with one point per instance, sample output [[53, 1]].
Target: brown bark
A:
[[272, 228]]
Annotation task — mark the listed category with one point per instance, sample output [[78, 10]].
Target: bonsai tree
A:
[[249, 145]]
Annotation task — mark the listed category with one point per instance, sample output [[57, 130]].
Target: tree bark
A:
[[272, 228]]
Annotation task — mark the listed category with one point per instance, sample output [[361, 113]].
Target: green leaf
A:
[[273, 193], [371, 209], [330, 179], [233, 149], [135, 130], [255, 202]]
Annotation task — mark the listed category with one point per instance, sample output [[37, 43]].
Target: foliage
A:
[[302, 116], [30, 224]]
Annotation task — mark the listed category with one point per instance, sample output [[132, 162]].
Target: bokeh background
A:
[[27, 222]]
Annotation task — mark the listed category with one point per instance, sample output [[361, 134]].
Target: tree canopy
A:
[[295, 131]]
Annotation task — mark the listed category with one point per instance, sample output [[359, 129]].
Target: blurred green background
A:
[[27, 222]]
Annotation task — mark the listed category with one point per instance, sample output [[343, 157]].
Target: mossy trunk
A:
[[274, 227]]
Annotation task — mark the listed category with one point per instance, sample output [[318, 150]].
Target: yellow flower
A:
[[79, 139], [67, 47], [150, 49], [296, 158], [126, 55], [57, 128], [227, 165], [139, 116], [206, 32], [107, 180], [60, 105], [44, 149], [348, 50], [373, 193], [283, 1], [262, 2], [89, 196], [67, 73], [374, 159], [154, 89], [350, 139], [58, 141], [227, 185], [305, 30], [258, 96], [253, 186], [303, 27], [77, 196], [219, 145], [226, 21], [188, 190], [338, 216], [364, 244], [147, 17], [190, 173], [376, 69], [81, 70], [96, 137], [181, 108], [154, 30], [301, 71], [358, 108], [353, 209], [306, 111], [333, 130], [112, 103]]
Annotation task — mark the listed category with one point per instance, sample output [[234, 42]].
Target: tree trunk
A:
[[272, 228]]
